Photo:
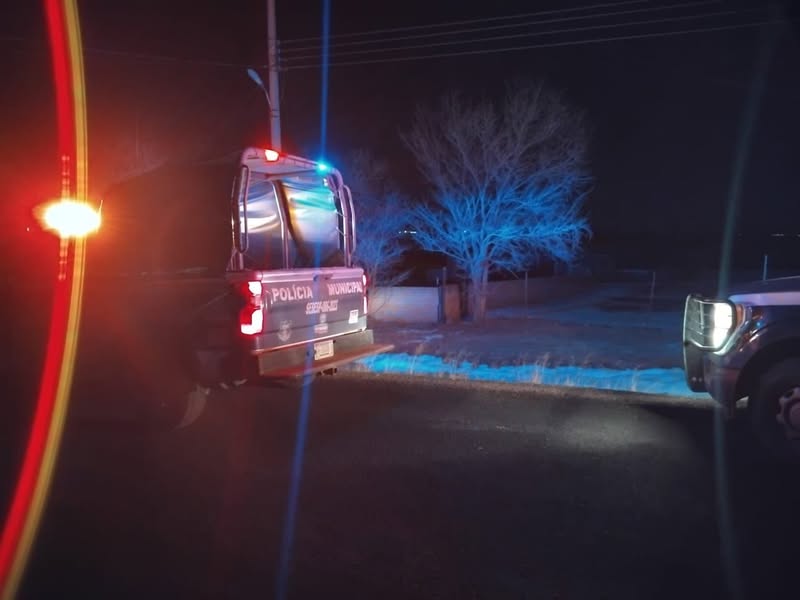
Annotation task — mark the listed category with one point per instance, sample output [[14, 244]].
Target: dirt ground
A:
[[614, 326]]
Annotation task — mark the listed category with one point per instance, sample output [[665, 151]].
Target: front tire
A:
[[775, 410]]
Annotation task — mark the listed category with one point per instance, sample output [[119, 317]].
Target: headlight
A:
[[709, 324], [722, 323]]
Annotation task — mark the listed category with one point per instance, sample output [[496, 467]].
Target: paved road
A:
[[416, 489]]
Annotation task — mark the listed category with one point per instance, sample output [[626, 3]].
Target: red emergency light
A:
[[271, 155]]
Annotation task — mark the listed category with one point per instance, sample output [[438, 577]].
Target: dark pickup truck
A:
[[222, 272], [747, 345]]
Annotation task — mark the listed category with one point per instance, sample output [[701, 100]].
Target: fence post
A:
[[440, 303], [443, 297], [652, 289], [526, 289]]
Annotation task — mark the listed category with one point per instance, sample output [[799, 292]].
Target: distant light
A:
[[323, 167], [70, 218], [271, 155]]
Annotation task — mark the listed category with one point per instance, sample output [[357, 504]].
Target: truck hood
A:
[[781, 291]]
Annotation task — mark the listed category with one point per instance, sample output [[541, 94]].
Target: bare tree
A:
[[508, 182], [380, 217]]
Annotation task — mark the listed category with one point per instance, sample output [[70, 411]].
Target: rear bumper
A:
[[299, 360]]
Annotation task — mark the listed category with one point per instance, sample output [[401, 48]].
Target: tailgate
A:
[[304, 305]]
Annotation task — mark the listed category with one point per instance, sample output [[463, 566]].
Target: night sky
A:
[[665, 112]]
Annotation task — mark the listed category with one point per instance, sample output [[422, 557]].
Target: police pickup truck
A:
[[222, 272], [747, 345]]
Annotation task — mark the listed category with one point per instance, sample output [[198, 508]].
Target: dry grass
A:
[[541, 370]]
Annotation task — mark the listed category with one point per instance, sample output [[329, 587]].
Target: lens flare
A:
[[70, 219]]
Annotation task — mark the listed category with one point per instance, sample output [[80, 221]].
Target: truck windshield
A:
[[314, 217]]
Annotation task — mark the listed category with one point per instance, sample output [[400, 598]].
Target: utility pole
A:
[[274, 93], [138, 161]]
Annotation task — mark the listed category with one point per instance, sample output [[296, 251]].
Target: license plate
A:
[[323, 349]]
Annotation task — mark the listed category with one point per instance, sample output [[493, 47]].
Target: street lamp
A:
[[273, 101], [253, 74]]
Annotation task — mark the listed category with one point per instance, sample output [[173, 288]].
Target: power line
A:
[[166, 59], [133, 56], [12, 38], [522, 35], [142, 57], [536, 46], [505, 26], [465, 21]]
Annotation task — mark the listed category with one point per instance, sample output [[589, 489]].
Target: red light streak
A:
[[30, 494]]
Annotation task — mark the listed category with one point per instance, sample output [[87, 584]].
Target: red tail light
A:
[[251, 316]]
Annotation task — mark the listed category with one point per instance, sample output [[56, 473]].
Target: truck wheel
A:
[[173, 409], [775, 409]]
